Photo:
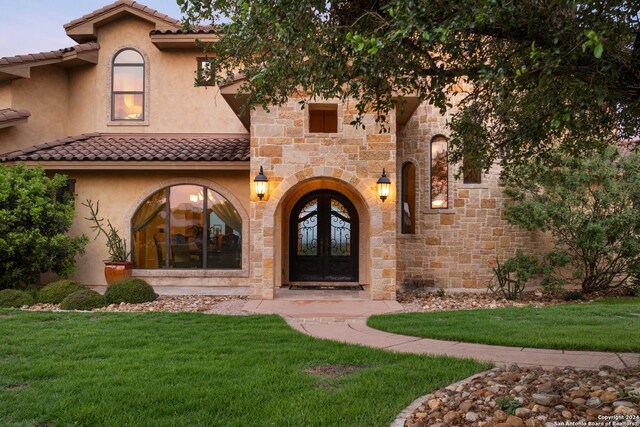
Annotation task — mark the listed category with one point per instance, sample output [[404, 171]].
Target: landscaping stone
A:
[[172, 304], [475, 402]]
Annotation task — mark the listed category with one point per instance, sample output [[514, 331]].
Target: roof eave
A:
[[69, 59], [87, 30], [182, 41], [134, 165], [14, 122]]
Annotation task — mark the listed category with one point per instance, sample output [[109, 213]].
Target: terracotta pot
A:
[[114, 271]]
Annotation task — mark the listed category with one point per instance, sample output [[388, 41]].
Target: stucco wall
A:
[[120, 193], [70, 101], [46, 96], [455, 247]]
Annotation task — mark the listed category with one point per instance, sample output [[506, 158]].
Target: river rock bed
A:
[[534, 397], [430, 301], [172, 304]]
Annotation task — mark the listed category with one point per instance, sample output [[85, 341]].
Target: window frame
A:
[[404, 197], [439, 138], [201, 82], [143, 115], [166, 269], [313, 108]]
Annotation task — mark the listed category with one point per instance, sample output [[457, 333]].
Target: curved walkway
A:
[[346, 321]]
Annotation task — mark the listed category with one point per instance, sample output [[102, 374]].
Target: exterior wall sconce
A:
[[384, 186], [260, 182]]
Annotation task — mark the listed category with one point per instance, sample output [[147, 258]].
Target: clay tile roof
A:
[[125, 147], [149, 11], [9, 114], [197, 29], [42, 56]]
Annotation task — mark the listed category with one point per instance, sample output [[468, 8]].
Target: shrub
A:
[[85, 299], [572, 296], [55, 292], [132, 291], [590, 206], [33, 226], [12, 298], [440, 292], [511, 277]]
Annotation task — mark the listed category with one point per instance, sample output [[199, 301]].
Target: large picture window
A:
[[439, 173], [187, 226], [408, 198], [127, 88]]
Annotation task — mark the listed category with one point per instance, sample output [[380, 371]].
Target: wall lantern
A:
[[260, 182], [384, 186]]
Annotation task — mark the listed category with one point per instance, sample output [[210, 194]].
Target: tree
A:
[[591, 207], [33, 226], [530, 75]]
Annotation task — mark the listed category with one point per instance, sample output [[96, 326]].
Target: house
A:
[[173, 166]]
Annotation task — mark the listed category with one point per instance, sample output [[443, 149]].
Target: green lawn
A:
[[607, 325], [164, 369]]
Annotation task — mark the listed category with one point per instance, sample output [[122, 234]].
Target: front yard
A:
[[606, 325], [195, 369]]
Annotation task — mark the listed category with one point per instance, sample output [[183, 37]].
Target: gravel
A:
[[172, 304], [534, 397], [427, 301]]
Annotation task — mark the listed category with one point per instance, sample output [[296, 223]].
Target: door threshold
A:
[[326, 285]]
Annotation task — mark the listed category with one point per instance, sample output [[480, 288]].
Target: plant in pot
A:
[[118, 266]]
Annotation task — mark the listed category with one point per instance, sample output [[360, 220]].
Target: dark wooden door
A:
[[323, 243]]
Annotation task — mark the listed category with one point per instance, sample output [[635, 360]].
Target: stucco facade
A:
[[71, 94]]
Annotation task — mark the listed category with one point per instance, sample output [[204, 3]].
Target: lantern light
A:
[[384, 186], [260, 182]]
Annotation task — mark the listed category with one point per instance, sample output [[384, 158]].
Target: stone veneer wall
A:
[[455, 247], [296, 162]]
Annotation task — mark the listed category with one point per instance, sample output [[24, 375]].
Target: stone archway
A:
[[269, 231]]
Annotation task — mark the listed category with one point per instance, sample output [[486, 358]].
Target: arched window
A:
[[187, 226], [439, 173], [408, 198], [127, 86]]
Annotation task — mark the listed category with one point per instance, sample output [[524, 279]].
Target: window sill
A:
[[143, 272], [128, 123], [482, 186], [439, 211]]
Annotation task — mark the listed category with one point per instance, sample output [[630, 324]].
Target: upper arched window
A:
[[439, 173], [187, 226], [408, 198], [127, 89]]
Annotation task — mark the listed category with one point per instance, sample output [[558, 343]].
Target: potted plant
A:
[[118, 266]]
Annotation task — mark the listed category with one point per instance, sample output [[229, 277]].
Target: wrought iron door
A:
[[323, 239]]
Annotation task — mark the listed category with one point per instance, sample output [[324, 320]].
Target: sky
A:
[[29, 26]]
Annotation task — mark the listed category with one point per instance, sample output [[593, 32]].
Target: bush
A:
[[572, 296], [13, 298], [132, 291], [511, 277], [590, 206], [55, 292], [85, 299], [33, 226]]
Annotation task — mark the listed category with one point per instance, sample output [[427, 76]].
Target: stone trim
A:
[[133, 207], [289, 184], [147, 88]]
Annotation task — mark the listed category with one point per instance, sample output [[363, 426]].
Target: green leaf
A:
[[597, 51]]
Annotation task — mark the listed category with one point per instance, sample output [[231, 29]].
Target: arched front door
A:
[[323, 244]]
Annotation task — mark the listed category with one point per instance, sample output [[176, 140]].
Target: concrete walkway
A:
[[346, 321]]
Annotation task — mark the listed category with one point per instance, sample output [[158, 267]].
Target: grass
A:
[[163, 369], [606, 325]]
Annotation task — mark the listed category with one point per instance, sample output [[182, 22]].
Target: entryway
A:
[[323, 241]]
